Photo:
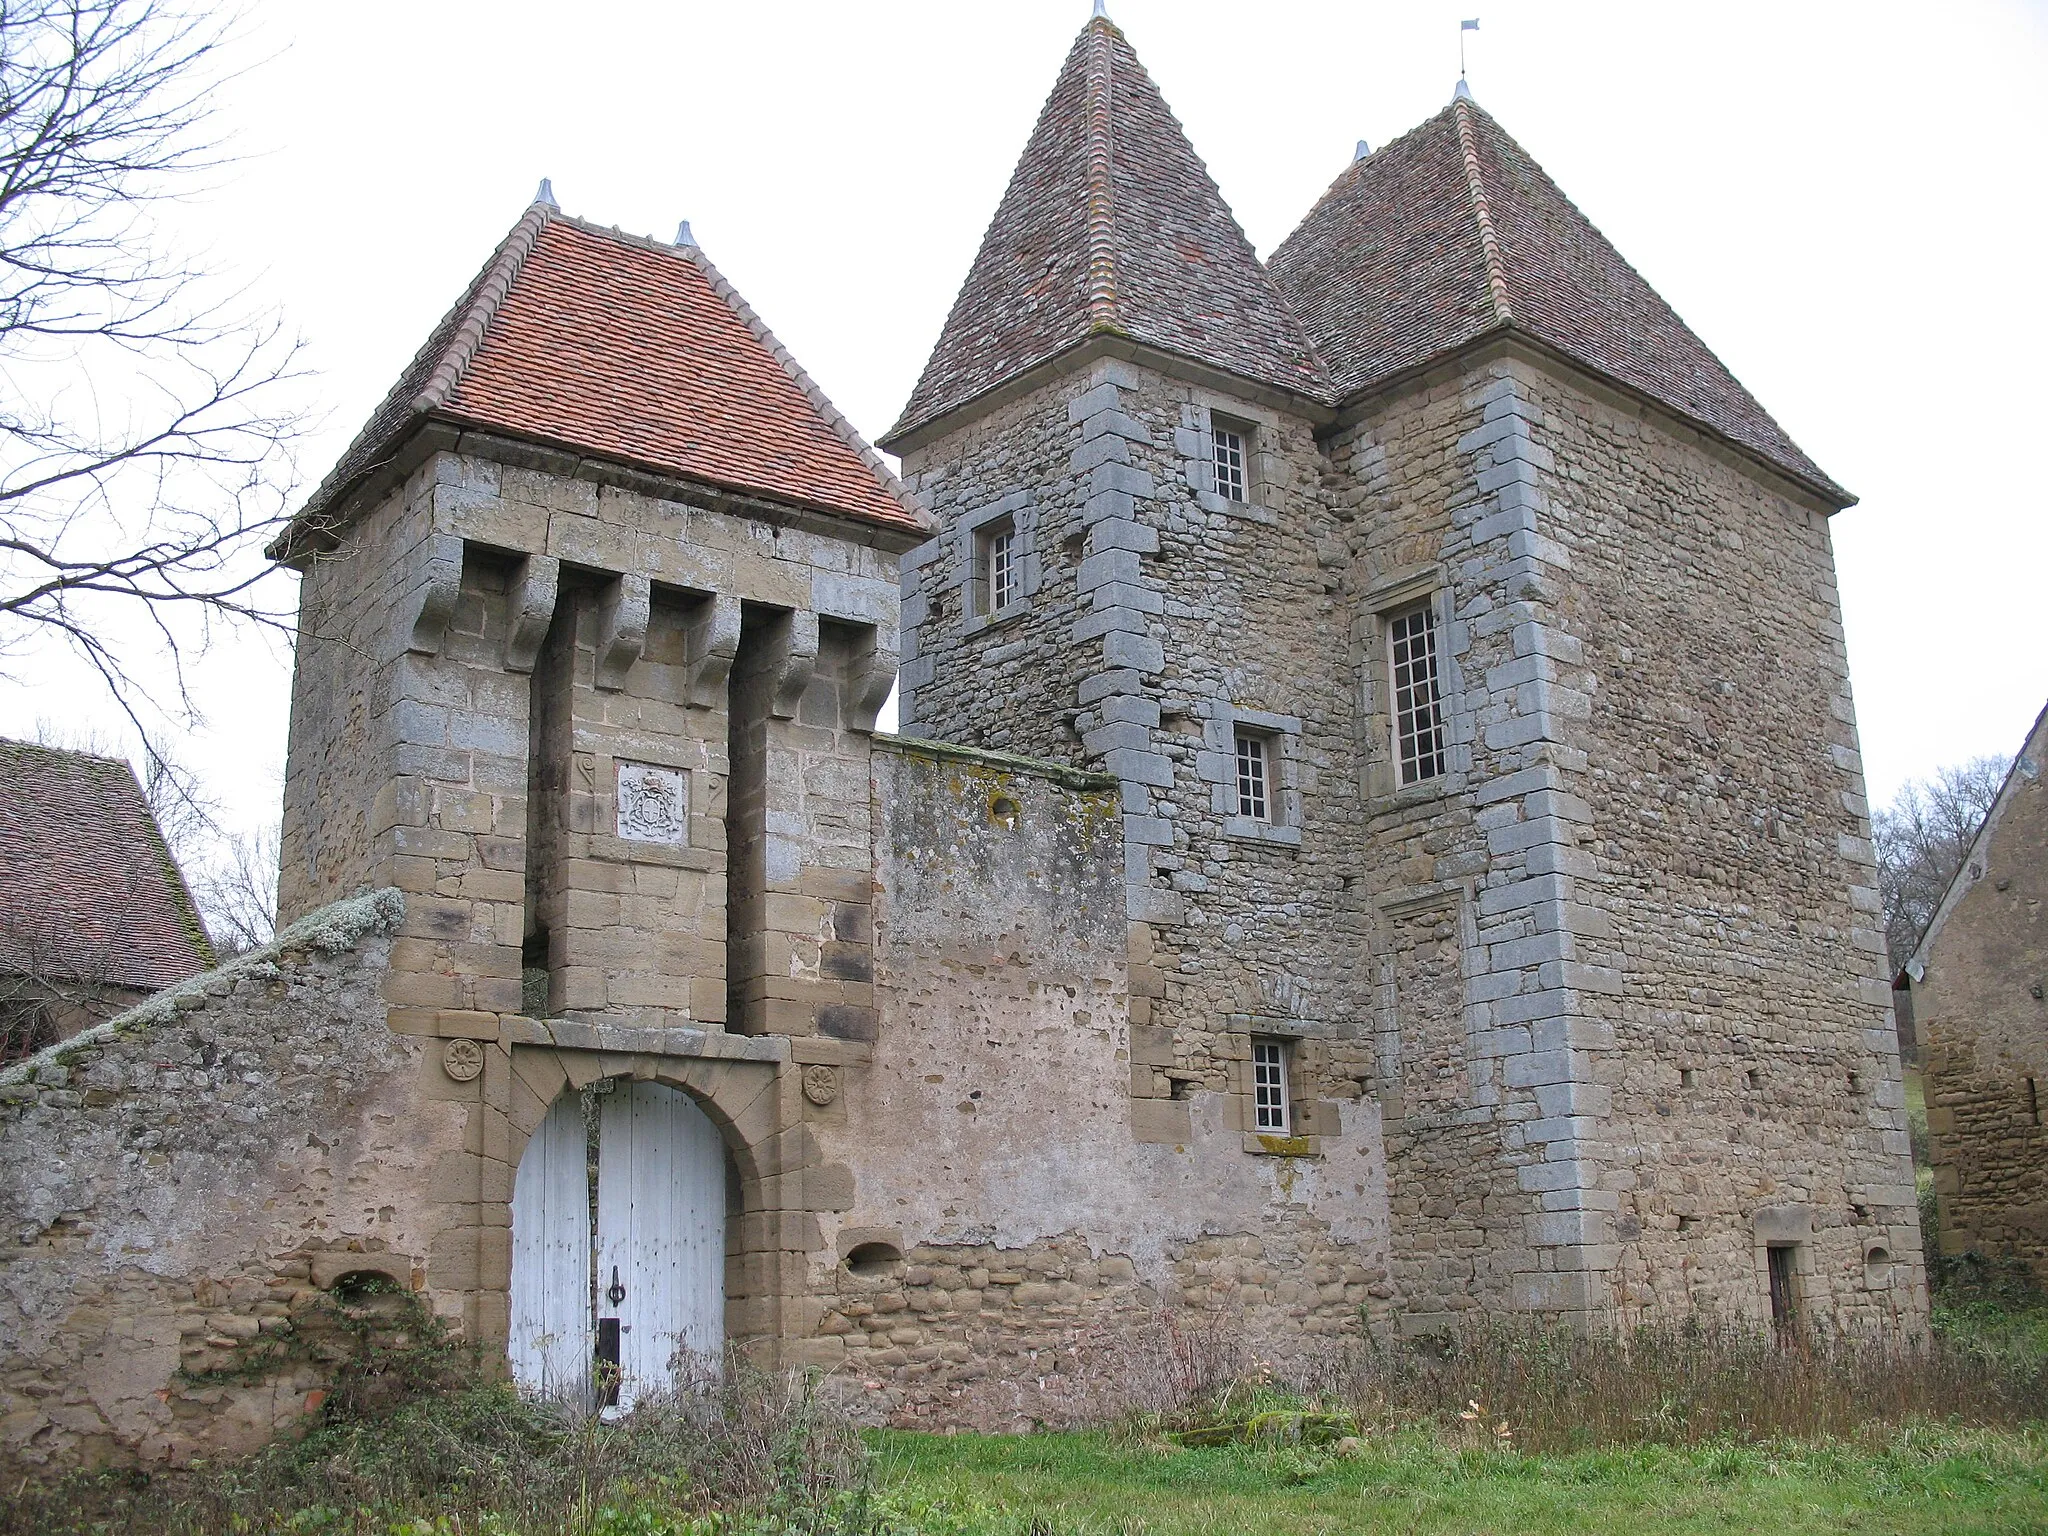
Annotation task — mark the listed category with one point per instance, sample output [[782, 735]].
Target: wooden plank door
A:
[[660, 1233], [550, 1341]]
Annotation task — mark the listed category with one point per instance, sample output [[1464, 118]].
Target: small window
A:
[[1232, 443], [998, 566], [1418, 713], [1254, 761], [1784, 1290], [1269, 1086]]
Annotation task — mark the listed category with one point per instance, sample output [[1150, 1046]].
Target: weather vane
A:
[[1463, 28]]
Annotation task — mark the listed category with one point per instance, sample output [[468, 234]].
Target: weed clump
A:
[[754, 1452]]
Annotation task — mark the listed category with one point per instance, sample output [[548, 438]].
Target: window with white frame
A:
[[1232, 448], [1269, 1086], [1418, 697], [1254, 776], [999, 569]]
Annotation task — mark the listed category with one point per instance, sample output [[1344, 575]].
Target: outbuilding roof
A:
[[583, 338], [88, 891]]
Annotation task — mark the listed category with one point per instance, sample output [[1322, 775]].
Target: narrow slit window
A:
[[1269, 1086], [1253, 777], [1230, 462], [1784, 1291], [1418, 710]]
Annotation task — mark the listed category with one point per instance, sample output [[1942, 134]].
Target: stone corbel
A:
[[712, 641], [870, 674], [533, 609], [430, 605], [622, 628], [792, 664]]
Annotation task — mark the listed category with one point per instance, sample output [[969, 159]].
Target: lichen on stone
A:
[[331, 930]]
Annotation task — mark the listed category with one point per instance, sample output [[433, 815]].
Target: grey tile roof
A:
[[1452, 232], [1111, 224], [88, 892]]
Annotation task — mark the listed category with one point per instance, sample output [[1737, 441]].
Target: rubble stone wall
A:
[[1019, 1205], [181, 1185]]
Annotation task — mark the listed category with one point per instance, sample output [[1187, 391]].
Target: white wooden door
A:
[[550, 1346], [660, 1233]]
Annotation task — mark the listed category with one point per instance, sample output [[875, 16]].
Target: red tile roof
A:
[[1112, 225], [583, 338], [88, 891], [1453, 232]]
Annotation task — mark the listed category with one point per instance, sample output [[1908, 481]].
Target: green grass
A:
[[1077, 1484]]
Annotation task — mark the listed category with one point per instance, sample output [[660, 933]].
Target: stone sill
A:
[[1264, 1144], [976, 623], [1250, 511], [1246, 829], [1425, 793]]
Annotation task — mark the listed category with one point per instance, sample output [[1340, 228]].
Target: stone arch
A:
[[770, 1230]]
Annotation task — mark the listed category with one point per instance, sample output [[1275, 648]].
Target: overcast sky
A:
[[1844, 200]]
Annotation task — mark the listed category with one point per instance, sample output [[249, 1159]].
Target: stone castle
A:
[[1376, 836]]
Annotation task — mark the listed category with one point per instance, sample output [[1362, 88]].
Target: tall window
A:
[[1230, 461], [1252, 778], [1418, 711], [1269, 1086], [1001, 579]]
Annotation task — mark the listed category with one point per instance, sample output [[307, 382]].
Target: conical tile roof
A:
[[629, 350], [1111, 225], [1451, 232]]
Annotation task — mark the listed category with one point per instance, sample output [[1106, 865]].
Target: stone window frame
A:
[[1281, 1049], [1020, 511], [1217, 766], [1299, 1039], [1196, 443], [1397, 593]]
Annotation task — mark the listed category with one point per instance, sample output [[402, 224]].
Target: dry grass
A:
[[1557, 1389]]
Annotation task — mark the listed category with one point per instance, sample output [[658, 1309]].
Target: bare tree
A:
[[145, 426], [236, 890], [1922, 838]]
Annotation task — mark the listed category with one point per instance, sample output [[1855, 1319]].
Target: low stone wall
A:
[[179, 1187]]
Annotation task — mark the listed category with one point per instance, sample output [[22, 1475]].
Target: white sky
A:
[[1844, 200]]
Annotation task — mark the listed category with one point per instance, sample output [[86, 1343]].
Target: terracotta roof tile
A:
[[1110, 224], [1453, 231], [587, 339], [87, 889]]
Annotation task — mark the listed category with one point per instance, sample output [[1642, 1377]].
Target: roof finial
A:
[[1361, 152], [1463, 92], [683, 235], [1101, 14], [546, 194]]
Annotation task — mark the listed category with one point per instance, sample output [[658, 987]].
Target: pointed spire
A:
[[1364, 149], [546, 195], [1463, 91], [1450, 234], [1111, 226], [1101, 13], [683, 235]]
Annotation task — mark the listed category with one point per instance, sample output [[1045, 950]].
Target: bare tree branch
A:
[[146, 430], [1922, 839]]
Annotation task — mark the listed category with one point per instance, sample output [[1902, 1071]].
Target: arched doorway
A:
[[618, 1244]]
